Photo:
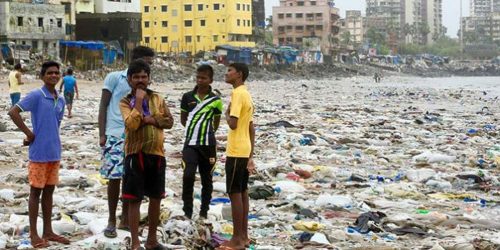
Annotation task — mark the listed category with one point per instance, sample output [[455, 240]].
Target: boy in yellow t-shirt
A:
[[239, 152]]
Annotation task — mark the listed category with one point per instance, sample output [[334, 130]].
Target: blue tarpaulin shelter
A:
[[235, 54], [108, 53]]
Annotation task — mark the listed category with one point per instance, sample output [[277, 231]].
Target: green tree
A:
[[346, 38], [424, 30], [374, 36], [269, 21]]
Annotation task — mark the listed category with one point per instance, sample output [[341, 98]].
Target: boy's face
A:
[[51, 76], [203, 79], [232, 75], [139, 80]]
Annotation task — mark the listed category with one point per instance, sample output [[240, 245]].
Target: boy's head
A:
[[237, 72], [138, 74], [69, 71], [145, 53], [50, 73], [204, 75], [18, 66]]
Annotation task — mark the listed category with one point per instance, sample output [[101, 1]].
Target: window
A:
[[238, 6], [164, 39], [188, 39], [174, 12], [188, 23], [289, 27], [164, 23], [59, 22], [298, 39], [319, 27], [281, 29], [19, 21], [281, 16], [288, 15], [34, 44], [146, 9], [146, 24], [248, 23], [299, 15], [217, 20], [202, 22], [216, 38], [300, 3], [281, 40], [313, 3], [310, 16], [40, 22], [319, 15], [174, 28], [200, 7], [238, 22], [188, 7], [216, 6], [289, 39], [155, 23], [198, 38], [248, 7], [164, 8], [146, 39], [299, 28]]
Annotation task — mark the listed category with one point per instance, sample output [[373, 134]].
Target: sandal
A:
[[158, 247], [110, 232], [58, 239], [41, 244]]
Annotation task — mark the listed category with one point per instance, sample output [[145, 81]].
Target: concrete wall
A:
[[106, 6]]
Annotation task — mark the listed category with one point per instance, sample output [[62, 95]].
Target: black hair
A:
[[142, 51], [206, 68], [242, 68], [18, 66], [137, 66], [47, 65], [69, 71]]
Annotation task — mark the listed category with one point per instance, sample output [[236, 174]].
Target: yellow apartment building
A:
[[196, 25]]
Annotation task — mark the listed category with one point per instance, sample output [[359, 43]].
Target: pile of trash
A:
[[342, 164]]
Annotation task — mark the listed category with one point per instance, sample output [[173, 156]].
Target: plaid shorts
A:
[[112, 158]]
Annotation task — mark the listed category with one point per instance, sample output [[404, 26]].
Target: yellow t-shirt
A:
[[238, 140], [14, 84]]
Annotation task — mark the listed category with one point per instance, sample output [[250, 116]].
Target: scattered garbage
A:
[[408, 163]]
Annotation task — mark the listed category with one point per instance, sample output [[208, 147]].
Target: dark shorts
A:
[[68, 97], [144, 175], [236, 175]]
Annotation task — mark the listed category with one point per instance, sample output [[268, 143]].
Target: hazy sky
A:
[[451, 11]]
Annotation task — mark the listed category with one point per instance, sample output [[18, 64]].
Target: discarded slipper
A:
[[158, 247], [41, 244], [58, 239], [110, 232]]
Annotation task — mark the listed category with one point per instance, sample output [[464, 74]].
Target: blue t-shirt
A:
[[117, 84], [69, 82], [46, 116]]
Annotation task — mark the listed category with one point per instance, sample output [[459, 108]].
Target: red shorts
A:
[[41, 174]]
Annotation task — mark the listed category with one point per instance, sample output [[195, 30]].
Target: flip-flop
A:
[[58, 239], [41, 244], [158, 247], [110, 232]]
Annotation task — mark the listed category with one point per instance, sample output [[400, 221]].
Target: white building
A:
[[108, 6]]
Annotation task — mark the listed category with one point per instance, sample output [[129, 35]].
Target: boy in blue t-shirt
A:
[[70, 88], [47, 108]]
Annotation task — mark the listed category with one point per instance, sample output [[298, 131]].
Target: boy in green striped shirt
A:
[[200, 114]]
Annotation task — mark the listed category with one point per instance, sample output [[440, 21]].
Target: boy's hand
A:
[[102, 141], [140, 94], [251, 167], [30, 137], [149, 120]]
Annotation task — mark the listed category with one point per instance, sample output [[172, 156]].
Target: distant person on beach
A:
[[15, 83], [377, 77], [239, 152], [70, 88], [47, 109], [145, 115], [200, 114], [112, 137]]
